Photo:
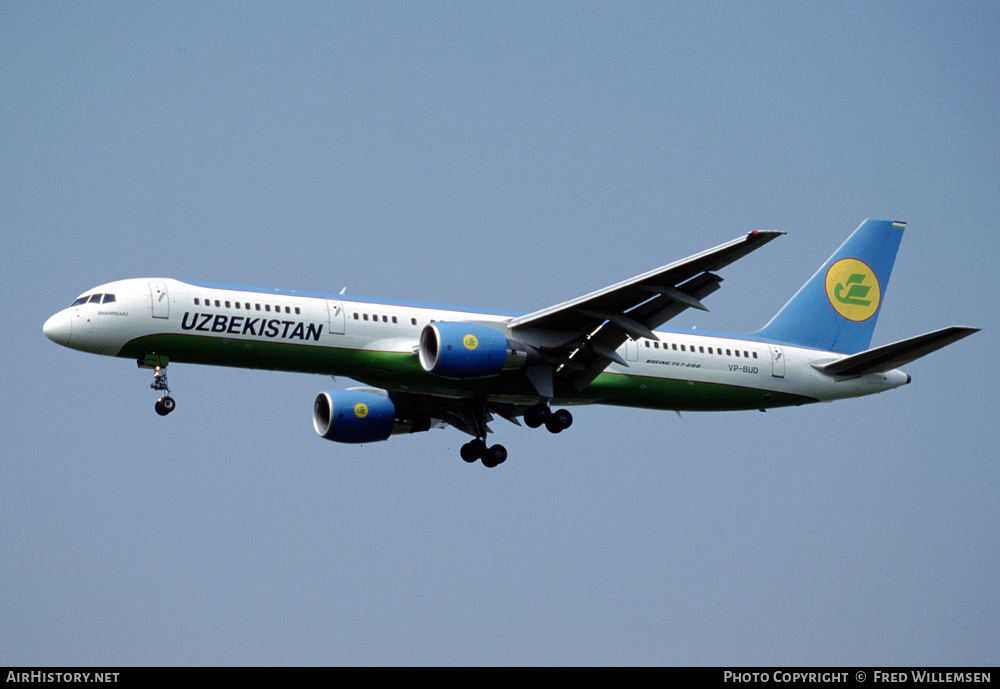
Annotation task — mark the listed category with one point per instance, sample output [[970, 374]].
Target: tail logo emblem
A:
[[853, 289]]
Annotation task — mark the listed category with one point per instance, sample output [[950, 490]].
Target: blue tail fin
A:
[[837, 308]]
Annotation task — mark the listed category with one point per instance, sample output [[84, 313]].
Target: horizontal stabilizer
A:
[[897, 354]]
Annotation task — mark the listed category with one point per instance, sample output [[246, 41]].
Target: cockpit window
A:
[[94, 299]]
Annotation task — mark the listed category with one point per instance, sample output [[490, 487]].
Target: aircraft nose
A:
[[59, 328]]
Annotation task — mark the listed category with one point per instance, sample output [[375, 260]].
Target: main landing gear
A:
[[555, 421], [475, 418], [491, 456], [495, 455]]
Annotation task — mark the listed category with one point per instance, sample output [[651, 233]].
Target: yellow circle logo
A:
[[360, 410], [470, 342], [853, 289]]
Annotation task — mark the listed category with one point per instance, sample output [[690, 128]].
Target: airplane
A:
[[426, 366]]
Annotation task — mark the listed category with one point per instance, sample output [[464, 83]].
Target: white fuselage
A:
[[373, 341]]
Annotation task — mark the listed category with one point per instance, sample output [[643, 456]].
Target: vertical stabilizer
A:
[[837, 308]]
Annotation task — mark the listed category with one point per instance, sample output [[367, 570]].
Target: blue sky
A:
[[508, 156]]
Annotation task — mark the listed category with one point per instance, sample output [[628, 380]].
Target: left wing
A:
[[581, 335]]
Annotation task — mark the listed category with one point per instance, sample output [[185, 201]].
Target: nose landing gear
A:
[[165, 404]]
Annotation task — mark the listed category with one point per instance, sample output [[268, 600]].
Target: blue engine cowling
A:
[[357, 416], [465, 350]]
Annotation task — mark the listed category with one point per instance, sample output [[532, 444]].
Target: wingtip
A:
[[765, 235]]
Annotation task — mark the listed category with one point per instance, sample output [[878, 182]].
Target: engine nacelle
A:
[[465, 350], [357, 416]]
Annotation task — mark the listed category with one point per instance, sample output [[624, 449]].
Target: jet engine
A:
[[465, 350], [361, 416]]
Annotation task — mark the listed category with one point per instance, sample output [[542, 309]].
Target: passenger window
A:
[[267, 307], [237, 305], [394, 319], [413, 321], [366, 316], [737, 353], [196, 301], [257, 306], [227, 305], [297, 311]]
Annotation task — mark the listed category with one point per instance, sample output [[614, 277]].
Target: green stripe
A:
[[684, 395], [402, 371]]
